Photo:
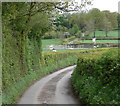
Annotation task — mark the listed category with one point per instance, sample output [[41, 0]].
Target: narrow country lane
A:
[[52, 89]]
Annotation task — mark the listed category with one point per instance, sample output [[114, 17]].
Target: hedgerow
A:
[[96, 81], [50, 62]]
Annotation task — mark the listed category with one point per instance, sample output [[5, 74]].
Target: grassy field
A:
[[100, 41], [65, 50], [102, 34], [46, 42], [59, 41]]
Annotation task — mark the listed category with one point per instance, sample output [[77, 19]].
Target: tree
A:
[[90, 26], [107, 26], [23, 25], [118, 19], [112, 18], [79, 19], [95, 18], [62, 20], [17, 21], [75, 29], [78, 34], [38, 28], [82, 21]]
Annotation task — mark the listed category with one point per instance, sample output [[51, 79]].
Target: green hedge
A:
[[96, 81], [50, 62], [17, 88], [16, 79]]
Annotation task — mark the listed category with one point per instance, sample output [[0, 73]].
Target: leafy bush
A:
[[96, 81]]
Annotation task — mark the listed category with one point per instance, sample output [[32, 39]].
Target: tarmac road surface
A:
[[52, 89]]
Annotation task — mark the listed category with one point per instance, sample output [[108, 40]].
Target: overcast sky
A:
[[111, 5]]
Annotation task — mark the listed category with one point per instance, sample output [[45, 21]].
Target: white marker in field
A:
[[94, 40], [51, 47], [83, 34]]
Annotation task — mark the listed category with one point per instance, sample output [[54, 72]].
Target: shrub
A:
[[96, 81]]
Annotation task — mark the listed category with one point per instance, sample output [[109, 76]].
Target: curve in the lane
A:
[[42, 90], [64, 92], [48, 91]]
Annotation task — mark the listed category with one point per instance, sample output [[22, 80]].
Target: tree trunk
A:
[[23, 38], [106, 34], [94, 34]]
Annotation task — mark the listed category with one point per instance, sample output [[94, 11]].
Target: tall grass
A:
[[46, 42]]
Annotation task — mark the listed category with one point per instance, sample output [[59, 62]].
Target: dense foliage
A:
[[86, 22], [15, 83], [24, 24], [96, 81]]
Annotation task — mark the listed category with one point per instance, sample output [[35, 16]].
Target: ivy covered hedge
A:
[[97, 81], [14, 89]]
